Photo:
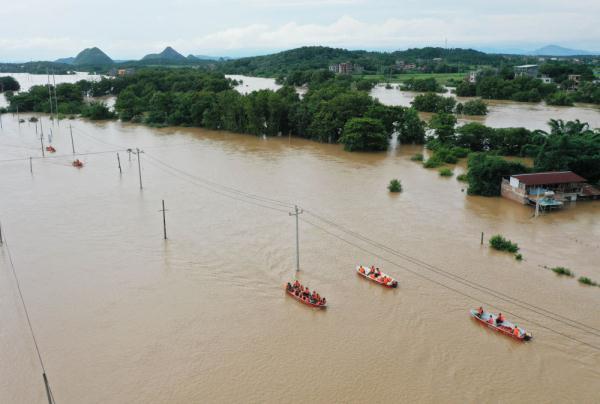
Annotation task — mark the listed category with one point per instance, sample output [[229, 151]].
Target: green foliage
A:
[[519, 257], [501, 244], [431, 102], [563, 271], [417, 157], [560, 98], [517, 89], [365, 85], [92, 57], [587, 281], [486, 172], [446, 172], [69, 99], [466, 89], [395, 185], [432, 162], [364, 134], [443, 125], [423, 85], [8, 83], [473, 107], [411, 129], [97, 111], [462, 178], [588, 92]]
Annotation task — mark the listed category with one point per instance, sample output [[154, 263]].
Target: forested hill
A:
[[320, 57]]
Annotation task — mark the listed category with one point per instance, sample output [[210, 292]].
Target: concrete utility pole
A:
[[0, 233], [297, 213], [30, 165], [42, 143], [163, 210], [72, 143], [119, 163], [139, 166]]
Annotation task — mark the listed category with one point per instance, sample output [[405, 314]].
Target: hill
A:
[[167, 54], [555, 50], [320, 57], [92, 56], [67, 61]]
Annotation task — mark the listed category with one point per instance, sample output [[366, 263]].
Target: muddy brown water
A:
[[122, 316]]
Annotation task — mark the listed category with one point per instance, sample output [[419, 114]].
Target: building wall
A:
[[509, 192]]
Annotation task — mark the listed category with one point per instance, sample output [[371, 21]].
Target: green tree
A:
[[364, 134], [486, 172], [443, 125]]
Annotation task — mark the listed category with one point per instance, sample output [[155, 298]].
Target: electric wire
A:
[[464, 294], [500, 295]]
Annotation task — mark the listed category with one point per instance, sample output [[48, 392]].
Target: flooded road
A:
[[123, 316]]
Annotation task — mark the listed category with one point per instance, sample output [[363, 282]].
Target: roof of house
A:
[[551, 177], [525, 66]]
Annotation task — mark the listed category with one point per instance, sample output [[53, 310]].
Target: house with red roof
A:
[[549, 189]]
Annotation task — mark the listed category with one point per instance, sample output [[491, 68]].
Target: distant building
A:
[[575, 79], [437, 59], [125, 72], [546, 79], [472, 77], [526, 71], [549, 189], [345, 68]]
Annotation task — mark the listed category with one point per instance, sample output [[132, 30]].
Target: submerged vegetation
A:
[[587, 281], [395, 185], [502, 244], [446, 172], [563, 271]]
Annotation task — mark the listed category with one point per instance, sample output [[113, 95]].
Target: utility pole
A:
[[72, 143], [1, 121], [42, 143], [0, 233], [139, 166], [119, 163], [30, 165], [55, 99], [163, 210], [297, 213], [41, 127], [481, 238], [48, 391], [50, 94]]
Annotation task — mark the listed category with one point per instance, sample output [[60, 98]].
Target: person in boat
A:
[[323, 302], [306, 292], [361, 270], [394, 283], [377, 272], [296, 284], [491, 320], [289, 287], [500, 319], [516, 331], [480, 311]]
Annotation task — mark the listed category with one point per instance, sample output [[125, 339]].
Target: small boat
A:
[[506, 327], [50, 149], [77, 163], [392, 283], [304, 300]]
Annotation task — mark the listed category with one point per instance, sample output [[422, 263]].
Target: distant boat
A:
[[378, 277]]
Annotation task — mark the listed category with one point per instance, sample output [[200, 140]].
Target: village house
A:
[[472, 77], [526, 70], [345, 68], [574, 79], [548, 189], [546, 79]]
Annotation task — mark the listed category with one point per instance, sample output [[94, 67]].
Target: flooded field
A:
[[123, 316]]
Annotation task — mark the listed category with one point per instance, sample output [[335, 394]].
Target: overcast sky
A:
[[42, 29]]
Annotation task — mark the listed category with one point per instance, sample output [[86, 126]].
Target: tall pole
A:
[[163, 210], [50, 94], [119, 163], [30, 165], [0, 233], [139, 167], [48, 391], [297, 213], [72, 143], [42, 143], [41, 127], [0, 121], [55, 98]]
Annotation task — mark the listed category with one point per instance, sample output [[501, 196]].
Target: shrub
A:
[[432, 162], [446, 172], [460, 152], [417, 157], [395, 186], [562, 271], [364, 134], [519, 257], [587, 281], [560, 98], [462, 178], [500, 243], [474, 107], [97, 111]]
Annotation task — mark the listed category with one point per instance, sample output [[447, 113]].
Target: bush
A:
[[486, 172], [97, 111], [431, 102], [519, 257], [587, 281], [462, 178], [500, 243], [562, 271], [395, 186], [560, 98], [432, 163], [417, 157], [460, 152], [446, 172], [474, 107]]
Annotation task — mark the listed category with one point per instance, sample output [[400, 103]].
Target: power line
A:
[[33, 337], [464, 281], [449, 287]]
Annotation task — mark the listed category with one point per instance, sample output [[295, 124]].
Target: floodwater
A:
[[123, 316], [501, 113], [27, 80]]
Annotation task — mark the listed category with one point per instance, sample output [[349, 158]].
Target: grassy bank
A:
[[442, 78]]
